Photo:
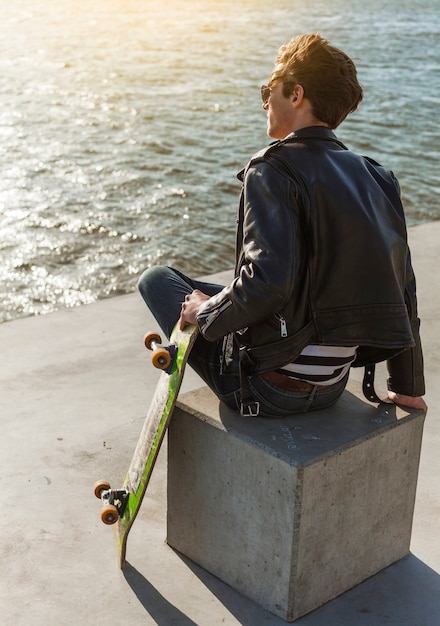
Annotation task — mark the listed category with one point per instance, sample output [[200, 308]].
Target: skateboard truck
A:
[[114, 501], [163, 356]]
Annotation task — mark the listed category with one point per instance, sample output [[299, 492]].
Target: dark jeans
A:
[[164, 289]]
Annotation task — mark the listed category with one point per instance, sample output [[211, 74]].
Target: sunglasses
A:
[[266, 91]]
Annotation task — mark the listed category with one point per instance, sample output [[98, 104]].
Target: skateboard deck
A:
[[121, 506]]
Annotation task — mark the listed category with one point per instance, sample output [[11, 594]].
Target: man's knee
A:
[[151, 278]]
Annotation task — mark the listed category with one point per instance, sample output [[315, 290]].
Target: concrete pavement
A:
[[75, 386]]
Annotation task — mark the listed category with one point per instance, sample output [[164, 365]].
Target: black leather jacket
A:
[[321, 258]]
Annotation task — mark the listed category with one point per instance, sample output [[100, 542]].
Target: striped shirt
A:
[[321, 365]]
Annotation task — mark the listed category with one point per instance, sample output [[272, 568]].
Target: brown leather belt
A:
[[280, 380]]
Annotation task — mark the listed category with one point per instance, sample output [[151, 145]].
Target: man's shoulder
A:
[[276, 151], [261, 157], [262, 154]]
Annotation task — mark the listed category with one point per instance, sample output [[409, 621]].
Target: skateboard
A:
[[121, 506]]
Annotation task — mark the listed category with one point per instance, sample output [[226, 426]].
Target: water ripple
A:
[[123, 126]]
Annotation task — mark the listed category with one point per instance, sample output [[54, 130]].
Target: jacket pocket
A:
[[269, 356]]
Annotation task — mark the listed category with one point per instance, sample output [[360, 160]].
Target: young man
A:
[[323, 277]]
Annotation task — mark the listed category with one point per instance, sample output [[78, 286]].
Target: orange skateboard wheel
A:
[[100, 486], [109, 514], [150, 339], [161, 358]]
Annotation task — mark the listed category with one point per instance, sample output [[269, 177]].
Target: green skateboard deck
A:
[[121, 506]]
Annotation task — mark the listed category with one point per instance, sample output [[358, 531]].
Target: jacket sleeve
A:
[[268, 255], [406, 369]]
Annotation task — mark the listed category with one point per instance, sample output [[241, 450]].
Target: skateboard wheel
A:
[[100, 486], [161, 358], [109, 514], [150, 338]]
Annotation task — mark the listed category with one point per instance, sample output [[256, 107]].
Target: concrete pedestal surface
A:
[[292, 512]]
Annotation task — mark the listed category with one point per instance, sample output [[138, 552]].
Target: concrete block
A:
[[292, 512]]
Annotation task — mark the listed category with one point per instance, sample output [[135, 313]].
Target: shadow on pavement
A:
[[406, 593], [162, 611]]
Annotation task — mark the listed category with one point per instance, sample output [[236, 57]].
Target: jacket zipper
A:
[[283, 325], [215, 313]]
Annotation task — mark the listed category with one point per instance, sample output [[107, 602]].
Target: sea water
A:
[[123, 124]]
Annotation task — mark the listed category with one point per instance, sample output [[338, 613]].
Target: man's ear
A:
[[297, 95]]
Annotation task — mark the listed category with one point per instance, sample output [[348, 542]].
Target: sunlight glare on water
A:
[[123, 125]]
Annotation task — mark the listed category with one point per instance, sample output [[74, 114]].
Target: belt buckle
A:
[[250, 409]]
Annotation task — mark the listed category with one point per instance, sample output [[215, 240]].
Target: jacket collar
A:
[[310, 132], [315, 132]]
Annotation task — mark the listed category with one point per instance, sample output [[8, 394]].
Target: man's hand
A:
[[408, 401], [190, 307]]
